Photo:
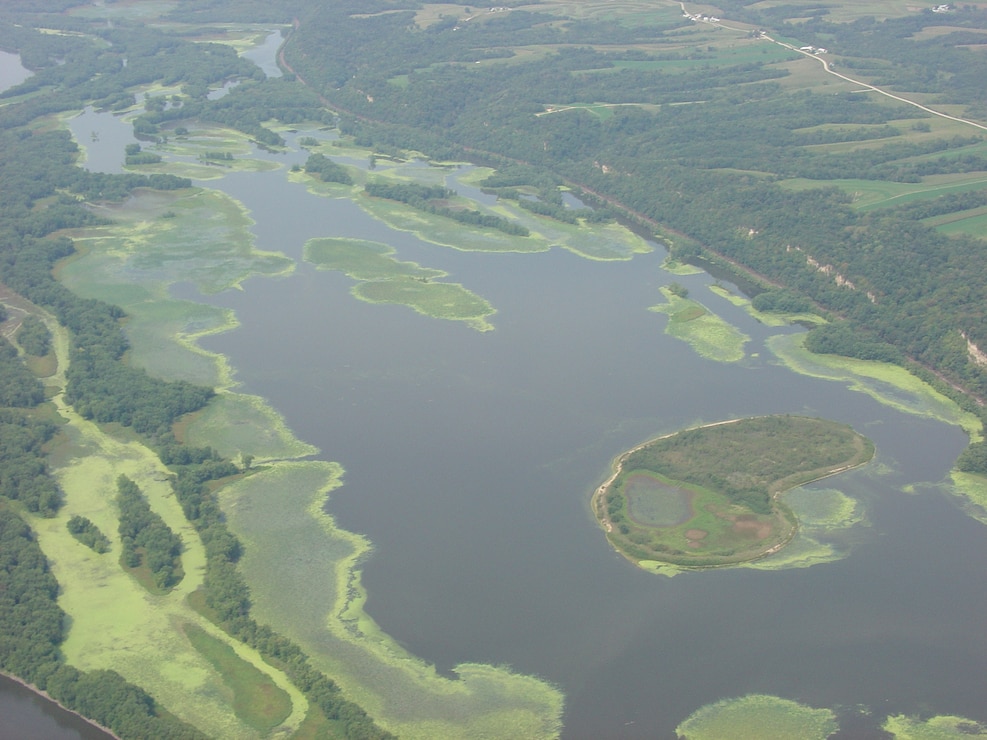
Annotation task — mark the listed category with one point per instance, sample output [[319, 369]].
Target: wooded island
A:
[[709, 496]]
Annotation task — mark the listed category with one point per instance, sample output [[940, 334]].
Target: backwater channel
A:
[[470, 459]]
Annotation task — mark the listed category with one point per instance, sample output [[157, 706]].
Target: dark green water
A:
[[471, 457]]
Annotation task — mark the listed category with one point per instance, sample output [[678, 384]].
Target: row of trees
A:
[[34, 336], [145, 537], [23, 462], [423, 197]]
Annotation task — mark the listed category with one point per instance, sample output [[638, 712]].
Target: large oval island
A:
[[709, 497]]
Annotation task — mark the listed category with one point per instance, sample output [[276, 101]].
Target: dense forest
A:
[[703, 147]]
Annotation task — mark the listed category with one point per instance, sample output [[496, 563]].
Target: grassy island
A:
[[709, 496]]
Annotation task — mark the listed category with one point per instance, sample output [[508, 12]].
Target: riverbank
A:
[[48, 698]]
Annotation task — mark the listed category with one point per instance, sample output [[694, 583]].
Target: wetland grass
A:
[[256, 699], [758, 717], [384, 279], [708, 334]]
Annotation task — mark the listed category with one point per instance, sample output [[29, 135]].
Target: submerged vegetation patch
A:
[[279, 510], [710, 496], [384, 279], [830, 525], [758, 717], [944, 727], [709, 335]]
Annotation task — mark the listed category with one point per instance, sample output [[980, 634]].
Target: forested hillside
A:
[[704, 140]]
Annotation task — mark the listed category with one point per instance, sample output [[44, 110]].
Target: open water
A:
[[470, 460]]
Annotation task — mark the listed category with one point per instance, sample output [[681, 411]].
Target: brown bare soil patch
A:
[[751, 527]]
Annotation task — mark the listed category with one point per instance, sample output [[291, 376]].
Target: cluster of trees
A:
[[745, 460], [782, 301], [76, 72], [34, 337], [327, 170], [422, 197], [88, 534], [134, 155], [145, 537], [974, 459], [18, 387], [245, 108], [23, 462], [944, 204]]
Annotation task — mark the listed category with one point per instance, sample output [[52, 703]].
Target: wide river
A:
[[470, 459]]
